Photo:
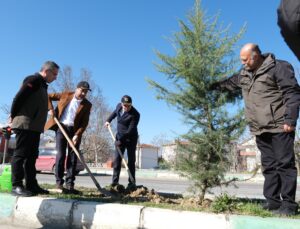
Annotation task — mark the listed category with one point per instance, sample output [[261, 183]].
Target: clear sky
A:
[[115, 40]]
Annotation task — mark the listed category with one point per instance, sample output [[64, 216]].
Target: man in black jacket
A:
[[272, 96], [28, 117], [289, 22], [126, 138]]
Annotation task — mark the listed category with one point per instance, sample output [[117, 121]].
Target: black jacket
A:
[[126, 123], [30, 106], [289, 22]]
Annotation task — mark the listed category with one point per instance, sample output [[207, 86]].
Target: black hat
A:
[[84, 85], [126, 99]]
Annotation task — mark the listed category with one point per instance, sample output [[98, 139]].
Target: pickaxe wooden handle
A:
[[104, 191], [121, 155]]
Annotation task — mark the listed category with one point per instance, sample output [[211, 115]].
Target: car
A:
[[46, 161]]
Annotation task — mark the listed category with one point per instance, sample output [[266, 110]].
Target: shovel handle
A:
[[79, 157], [121, 155]]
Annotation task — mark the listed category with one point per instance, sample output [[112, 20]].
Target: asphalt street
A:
[[168, 185]]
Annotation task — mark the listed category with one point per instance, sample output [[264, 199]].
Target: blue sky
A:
[[116, 40]]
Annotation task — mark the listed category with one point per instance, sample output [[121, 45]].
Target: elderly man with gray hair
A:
[[272, 95]]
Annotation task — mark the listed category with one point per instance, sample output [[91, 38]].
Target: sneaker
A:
[[21, 191], [38, 190], [270, 207], [286, 211]]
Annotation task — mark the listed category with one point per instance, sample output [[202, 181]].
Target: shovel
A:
[[102, 190], [121, 155]]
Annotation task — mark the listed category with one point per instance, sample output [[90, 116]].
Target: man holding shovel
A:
[[72, 111], [126, 138]]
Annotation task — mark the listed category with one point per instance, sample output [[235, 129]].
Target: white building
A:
[[169, 151], [146, 156], [249, 154]]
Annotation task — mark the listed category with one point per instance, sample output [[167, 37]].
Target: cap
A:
[[126, 99], [84, 85]]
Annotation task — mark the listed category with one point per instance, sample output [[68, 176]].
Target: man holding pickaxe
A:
[[126, 138], [72, 112]]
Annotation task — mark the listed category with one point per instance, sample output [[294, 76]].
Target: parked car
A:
[[46, 161]]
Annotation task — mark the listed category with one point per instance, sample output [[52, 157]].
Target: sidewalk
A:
[[38, 212]]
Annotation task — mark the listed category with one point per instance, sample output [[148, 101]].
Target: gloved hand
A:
[[118, 143]]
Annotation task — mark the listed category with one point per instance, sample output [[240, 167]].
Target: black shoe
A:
[[270, 207], [60, 187], [131, 187], [115, 187], [71, 190], [21, 191], [38, 190], [286, 211]]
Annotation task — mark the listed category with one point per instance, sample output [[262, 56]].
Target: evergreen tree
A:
[[204, 54]]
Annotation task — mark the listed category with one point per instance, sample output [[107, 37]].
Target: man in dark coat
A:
[[272, 96], [28, 116], [126, 138], [289, 22]]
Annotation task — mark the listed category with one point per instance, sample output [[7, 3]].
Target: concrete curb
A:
[[38, 212]]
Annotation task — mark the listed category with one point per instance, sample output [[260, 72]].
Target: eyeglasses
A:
[[126, 105], [53, 72]]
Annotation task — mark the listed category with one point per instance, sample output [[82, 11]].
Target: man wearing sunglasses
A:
[[126, 138]]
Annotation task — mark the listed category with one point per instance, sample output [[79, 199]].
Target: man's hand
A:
[[106, 124], [75, 139], [51, 113], [118, 143], [287, 128]]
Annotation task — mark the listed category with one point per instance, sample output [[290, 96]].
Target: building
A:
[[146, 156], [248, 155], [169, 151]]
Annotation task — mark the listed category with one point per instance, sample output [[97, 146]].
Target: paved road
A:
[[169, 185]]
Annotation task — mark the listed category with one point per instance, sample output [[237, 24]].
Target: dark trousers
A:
[[71, 162], [279, 170], [24, 158], [130, 146]]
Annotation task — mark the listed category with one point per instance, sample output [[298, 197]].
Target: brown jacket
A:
[[82, 115]]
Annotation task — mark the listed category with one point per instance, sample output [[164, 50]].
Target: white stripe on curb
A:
[[38, 212], [105, 215]]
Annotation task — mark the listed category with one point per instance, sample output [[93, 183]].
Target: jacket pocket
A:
[[264, 117]]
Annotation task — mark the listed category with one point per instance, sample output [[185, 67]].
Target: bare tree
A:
[[5, 112]]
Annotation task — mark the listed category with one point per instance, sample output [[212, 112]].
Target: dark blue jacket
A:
[[126, 123]]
